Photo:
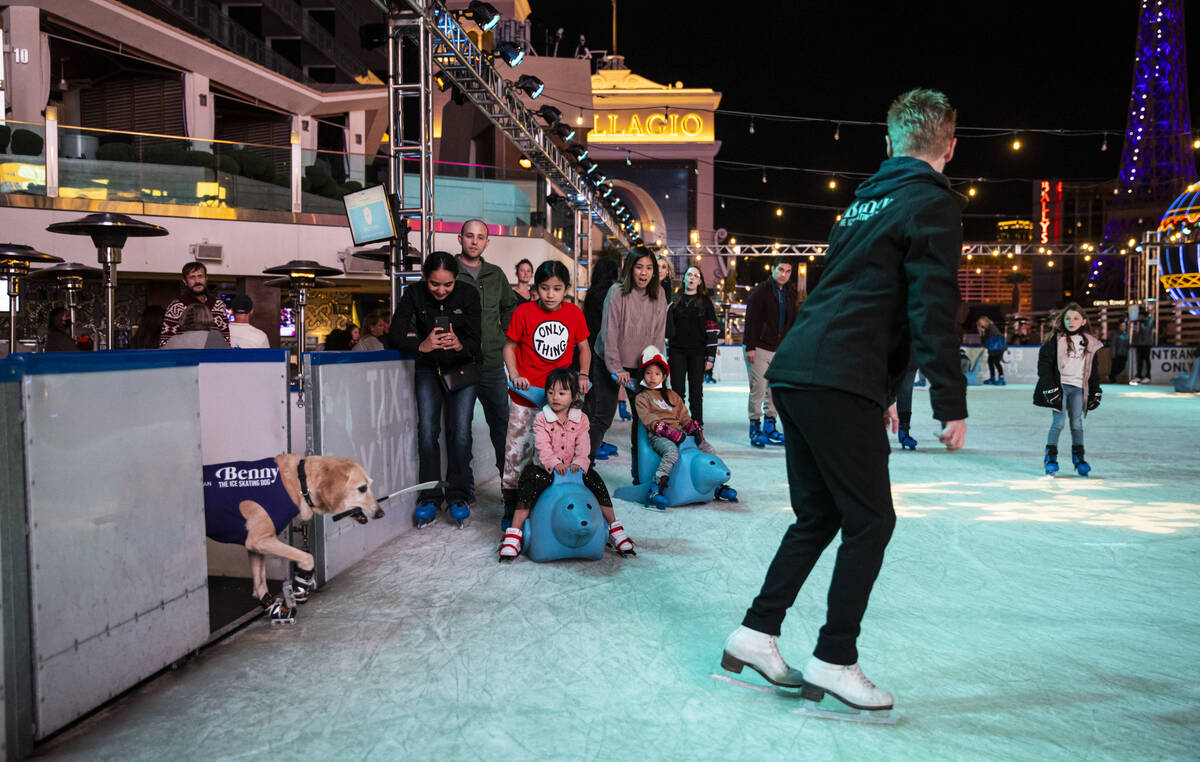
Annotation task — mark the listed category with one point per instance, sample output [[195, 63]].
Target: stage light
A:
[[1196, 144], [532, 86], [441, 80], [551, 115], [1016, 145], [832, 184], [971, 192], [607, 192], [525, 162], [483, 14], [564, 131], [579, 152], [628, 159], [511, 52]]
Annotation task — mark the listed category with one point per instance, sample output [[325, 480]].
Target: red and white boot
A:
[[510, 544], [620, 541]]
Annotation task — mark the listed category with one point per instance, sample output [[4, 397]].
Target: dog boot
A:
[[424, 514], [619, 541], [305, 584], [726, 493], [510, 544], [277, 610], [460, 512]]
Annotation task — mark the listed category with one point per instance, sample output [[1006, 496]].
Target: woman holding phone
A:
[[438, 321]]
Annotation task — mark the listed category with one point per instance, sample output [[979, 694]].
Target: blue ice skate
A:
[[906, 440], [726, 493], [774, 436], [757, 437], [1051, 460], [1081, 466], [655, 498], [623, 411], [460, 512], [606, 451], [425, 514]]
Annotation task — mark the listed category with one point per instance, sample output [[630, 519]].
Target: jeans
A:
[[687, 374], [432, 401], [904, 396], [1073, 398], [837, 468], [493, 396]]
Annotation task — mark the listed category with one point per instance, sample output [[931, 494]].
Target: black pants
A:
[[995, 363], [837, 465], [534, 480], [600, 405], [1143, 362], [1118, 365], [687, 375], [904, 396]]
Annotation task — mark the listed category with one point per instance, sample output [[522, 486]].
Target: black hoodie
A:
[[890, 283]]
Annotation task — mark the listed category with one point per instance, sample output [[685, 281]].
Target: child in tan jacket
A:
[[667, 422]]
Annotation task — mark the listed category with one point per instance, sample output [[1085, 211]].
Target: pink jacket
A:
[[561, 441]]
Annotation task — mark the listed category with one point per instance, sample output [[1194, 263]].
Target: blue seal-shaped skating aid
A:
[[566, 522], [535, 394], [694, 479]]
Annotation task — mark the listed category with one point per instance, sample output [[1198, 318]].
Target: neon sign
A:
[[650, 127], [1050, 216]]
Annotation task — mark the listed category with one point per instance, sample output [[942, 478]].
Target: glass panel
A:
[[326, 176], [23, 157], [120, 166]]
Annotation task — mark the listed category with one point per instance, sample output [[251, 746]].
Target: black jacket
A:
[[414, 318], [890, 283], [762, 316], [1050, 379], [692, 326]]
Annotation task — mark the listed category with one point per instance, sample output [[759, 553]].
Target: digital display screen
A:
[[287, 321], [369, 215]]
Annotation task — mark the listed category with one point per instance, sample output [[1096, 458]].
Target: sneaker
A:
[[510, 544], [758, 651], [848, 684]]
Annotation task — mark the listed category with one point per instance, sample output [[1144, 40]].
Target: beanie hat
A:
[[651, 355]]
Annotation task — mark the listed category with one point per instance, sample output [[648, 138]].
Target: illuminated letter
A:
[[596, 125], [674, 125], [652, 120], [697, 121], [635, 127]]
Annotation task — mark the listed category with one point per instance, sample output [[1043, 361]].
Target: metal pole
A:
[[425, 73], [110, 257], [302, 341], [395, 175], [13, 290]]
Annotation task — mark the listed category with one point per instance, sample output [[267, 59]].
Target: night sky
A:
[[1019, 65]]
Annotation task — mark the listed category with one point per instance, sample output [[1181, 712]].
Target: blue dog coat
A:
[[226, 485]]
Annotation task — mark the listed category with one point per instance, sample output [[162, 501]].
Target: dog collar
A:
[[304, 484]]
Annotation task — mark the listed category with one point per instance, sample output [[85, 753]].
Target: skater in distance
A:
[[890, 283], [1068, 381]]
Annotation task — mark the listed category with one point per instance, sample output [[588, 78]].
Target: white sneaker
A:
[[847, 684], [757, 650]]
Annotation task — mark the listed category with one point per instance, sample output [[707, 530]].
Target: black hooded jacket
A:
[[890, 283]]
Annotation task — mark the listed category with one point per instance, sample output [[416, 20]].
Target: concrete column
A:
[[199, 116], [306, 126], [356, 145], [27, 66]]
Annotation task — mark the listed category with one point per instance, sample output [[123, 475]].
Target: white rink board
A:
[[243, 416], [116, 540], [365, 411]]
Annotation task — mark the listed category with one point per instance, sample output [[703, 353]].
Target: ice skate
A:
[[510, 544], [605, 451], [424, 514], [277, 610], [1081, 466], [774, 436], [757, 437], [989, 382], [619, 541], [1051, 460], [655, 498], [844, 693], [306, 584], [460, 512], [726, 493], [1001, 382], [758, 651], [906, 440], [623, 411]]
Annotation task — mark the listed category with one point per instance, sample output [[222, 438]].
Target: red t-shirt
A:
[[545, 340]]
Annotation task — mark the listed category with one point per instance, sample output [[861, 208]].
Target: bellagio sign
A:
[[650, 126]]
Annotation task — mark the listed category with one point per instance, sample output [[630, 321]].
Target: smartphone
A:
[[441, 323]]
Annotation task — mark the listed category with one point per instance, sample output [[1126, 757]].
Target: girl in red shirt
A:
[[543, 335]]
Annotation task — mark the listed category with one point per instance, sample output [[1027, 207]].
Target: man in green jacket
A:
[[498, 303]]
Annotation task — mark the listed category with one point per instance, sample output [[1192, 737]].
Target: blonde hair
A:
[[920, 122]]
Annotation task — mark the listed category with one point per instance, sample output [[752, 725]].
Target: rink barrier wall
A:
[[16, 691], [361, 405]]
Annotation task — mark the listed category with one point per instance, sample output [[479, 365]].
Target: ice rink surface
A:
[[1016, 618]]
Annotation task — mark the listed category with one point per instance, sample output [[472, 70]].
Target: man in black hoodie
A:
[[890, 283]]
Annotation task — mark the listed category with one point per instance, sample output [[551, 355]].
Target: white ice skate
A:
[[758, 651], [619, 541], [844, 693], [510, 544]]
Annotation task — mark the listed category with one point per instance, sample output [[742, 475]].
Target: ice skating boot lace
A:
[[759, 651], [849, 684]]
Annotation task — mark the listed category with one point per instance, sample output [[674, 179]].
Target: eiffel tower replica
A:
[[1157, 162]]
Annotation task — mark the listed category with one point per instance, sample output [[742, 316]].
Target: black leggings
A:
[[995, 363], [534, 480], [687, 375], [1143, 362]]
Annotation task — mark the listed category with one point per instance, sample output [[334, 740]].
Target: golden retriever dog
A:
[[250, 502]]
